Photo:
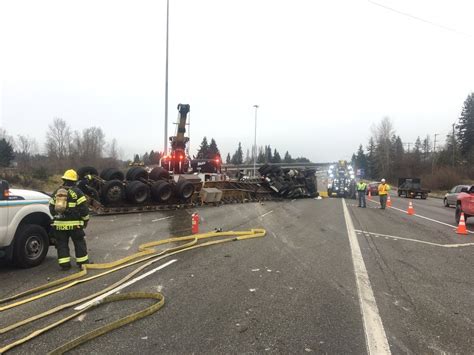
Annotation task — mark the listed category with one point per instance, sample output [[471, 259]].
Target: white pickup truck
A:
[[25, 223]]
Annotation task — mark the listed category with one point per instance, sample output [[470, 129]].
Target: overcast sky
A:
[[322, 72]]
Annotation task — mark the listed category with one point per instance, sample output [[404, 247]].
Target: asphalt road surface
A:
[[328, 277]]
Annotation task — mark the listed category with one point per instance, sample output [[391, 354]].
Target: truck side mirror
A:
[[4, 190]]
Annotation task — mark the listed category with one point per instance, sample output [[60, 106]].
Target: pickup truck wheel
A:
[[445, 202], [31, 245]]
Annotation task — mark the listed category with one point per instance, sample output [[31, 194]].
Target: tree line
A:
[[441, 162], [265, 155]]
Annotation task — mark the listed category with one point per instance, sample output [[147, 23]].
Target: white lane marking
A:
[[130, 242], [387, 236], [263, 215], [99, 299], [375, 336], [161, 219], [424, 217]]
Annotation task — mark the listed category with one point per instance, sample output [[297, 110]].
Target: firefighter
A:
[[361, 190], [383, 192], [68, 206]]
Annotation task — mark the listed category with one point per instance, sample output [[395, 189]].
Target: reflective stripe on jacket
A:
[[384, 189], [77, 211]]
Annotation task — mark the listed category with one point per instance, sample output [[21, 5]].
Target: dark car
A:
[[452, 195], [373, 187]]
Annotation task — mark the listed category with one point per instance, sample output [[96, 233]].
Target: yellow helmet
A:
[[70, 175]]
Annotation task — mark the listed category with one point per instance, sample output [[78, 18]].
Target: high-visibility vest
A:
[[361, 186], [383, 189]]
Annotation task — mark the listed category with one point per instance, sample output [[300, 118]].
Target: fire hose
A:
[[147, 252]]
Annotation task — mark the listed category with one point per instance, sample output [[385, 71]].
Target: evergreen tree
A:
[[466, 129], [361, 160], [146, 159], [238, 156], [302, 160], [136, 158], [261, 155], [203, 151], [287, 158], [6, 153], [248, 159], [276, 157], [228, 160], [213, 151], [268, 154], [426, 148]]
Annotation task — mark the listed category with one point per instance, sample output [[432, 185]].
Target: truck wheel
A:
[[445, 202], [112, 174], [137, 192], [424, 196], [161, 191], [112, 192], [31, 245], [137, 173], [159, 173], [86, 170], [399, 194], [184, 189]]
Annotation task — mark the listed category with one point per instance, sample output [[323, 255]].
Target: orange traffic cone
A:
[[411, 210], [462, 225], [369, 196], [389, 202]]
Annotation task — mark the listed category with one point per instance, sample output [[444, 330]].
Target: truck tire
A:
[[112, 192], [112, 174], [159, 173], [86, 170], [184, 190], [136, 173], [137, 192], [30, 246], [161, 191], [424, 196]]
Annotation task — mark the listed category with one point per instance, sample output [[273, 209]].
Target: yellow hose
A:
[[146, 252]]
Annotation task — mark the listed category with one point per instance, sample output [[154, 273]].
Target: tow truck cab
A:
[[25, 223], [465, 203]]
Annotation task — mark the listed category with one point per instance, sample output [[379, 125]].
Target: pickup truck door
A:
[[3, 212]]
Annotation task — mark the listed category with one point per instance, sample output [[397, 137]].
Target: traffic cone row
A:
[[462, 225]]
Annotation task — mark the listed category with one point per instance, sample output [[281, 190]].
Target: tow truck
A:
[[341, 180]]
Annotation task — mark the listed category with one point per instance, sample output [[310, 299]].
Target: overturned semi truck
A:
[[142, 189]]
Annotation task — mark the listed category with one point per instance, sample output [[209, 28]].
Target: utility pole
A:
[[165, 152]]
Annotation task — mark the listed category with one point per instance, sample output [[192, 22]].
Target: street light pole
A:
[[255, 144], [165, 152]]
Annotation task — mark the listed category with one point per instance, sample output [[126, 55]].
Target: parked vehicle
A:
[[411, 187], [452, 195], [465, 203], [25, 223], [341, 181], [373, 187]]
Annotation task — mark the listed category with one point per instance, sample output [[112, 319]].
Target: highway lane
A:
[[293, 291]]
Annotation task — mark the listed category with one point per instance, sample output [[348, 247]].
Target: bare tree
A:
[[58, 139], [382, 134], [26, 145], [112, 150]]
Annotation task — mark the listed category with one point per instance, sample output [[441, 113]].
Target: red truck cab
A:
[[465, 203]]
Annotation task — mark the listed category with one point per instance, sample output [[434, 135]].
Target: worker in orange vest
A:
[[383, 192]]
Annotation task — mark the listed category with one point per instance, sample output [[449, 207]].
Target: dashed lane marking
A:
[[387, 236], [376, 339], [423, 217], [265, 214]]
